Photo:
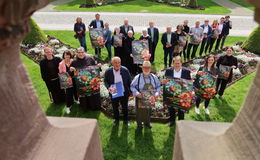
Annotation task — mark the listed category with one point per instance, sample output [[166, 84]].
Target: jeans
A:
[[168, 51], [82, 42], [108, 46]]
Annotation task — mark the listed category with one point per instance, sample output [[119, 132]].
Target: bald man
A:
[[118, 75], [126, 27]]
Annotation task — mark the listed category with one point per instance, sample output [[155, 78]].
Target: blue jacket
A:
[[209, 31], [107, 35], [109, 79]]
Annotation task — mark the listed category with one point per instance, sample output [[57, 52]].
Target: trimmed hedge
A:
[[252, 42], [35, 36]]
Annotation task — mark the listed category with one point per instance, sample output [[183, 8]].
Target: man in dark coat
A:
[[126, 27], [154, 34]]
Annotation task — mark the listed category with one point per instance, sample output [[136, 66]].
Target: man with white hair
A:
[[49, 72], [115, 76], [126, 27], [149, 82], [154, 34], [82, 61]]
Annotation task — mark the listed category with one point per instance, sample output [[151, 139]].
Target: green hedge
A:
[[252, 42], [35, 36]]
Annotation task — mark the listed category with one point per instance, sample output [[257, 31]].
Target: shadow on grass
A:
[[167, 151]]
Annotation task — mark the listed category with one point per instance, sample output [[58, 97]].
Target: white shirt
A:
[[169, 37], [220, 27], [177, 74], [118, 78], [206, 29], [152, 33], [98, 24]]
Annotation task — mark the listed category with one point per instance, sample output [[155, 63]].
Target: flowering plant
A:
[[205, 85], [97, 37]]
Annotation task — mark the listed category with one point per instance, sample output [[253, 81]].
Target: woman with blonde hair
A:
[[213, 36]]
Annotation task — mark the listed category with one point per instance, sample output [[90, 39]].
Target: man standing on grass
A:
[[154, 34]]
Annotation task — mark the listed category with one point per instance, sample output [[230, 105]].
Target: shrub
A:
[[252, 41], [193, 3], [35, 36]]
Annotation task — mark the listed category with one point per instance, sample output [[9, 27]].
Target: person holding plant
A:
[[179, 72], [64, 67], [212, 37], [127, 60], [212, 70], [227, 61], [146, 88], [181, 38], [117, 42]]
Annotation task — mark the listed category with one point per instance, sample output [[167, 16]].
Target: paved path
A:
[[49, 8], [242, 25], [235, 8]]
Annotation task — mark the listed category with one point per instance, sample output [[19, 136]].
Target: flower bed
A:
[[246, 64], [97, 3]]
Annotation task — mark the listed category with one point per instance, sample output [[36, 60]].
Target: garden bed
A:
[[102, 3], [247, 64]]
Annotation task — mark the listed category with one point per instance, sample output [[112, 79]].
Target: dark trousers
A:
[[118, 51], [221, 86], [92, 102], [124, 104], [108, 46], [98, 51], [69, 96], [153, 52], [82, 41], [198, 100], [184, 51], [209, 44], [218, 42], [194, 50], [57, 95], [168, 52], [204, 41], [173, 111], [223, 42]]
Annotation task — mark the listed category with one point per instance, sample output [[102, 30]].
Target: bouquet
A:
[[140, 50], [65, 80], [88, 81], [97, 37], [224, 72], [179, 93], [205, 85]]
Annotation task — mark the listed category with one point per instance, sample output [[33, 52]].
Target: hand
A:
[[183, 43], [111, 90], [147, 57], [99, 65], [72, 69], [131, 55], [139, 95], [164, 81], [233, 67]]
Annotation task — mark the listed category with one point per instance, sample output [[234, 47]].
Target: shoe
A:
[[68, 110], [220, 97], [77, 102], [127, 123], [197, 110], [148, 125], [206, 111], [139, 127], [116, 123], [171, 124]]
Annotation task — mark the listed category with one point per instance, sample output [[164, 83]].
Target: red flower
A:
[[95, 84], [152, 100], [200, 73], [204, 81], [185, 100], [83, 78]]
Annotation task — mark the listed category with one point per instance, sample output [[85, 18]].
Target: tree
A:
[[193, 3]]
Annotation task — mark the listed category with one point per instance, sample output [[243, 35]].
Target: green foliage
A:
[[90, 2], [35, 36], [252, 42]]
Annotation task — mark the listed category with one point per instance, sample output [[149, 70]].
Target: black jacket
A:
[[109, 79], [79, 27], [129, 27], [155, 35], [93, 24], [185, 73], [226, 28], [46, 72], [174, 40], [228, 61]]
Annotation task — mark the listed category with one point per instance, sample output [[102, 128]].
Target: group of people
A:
[[183, 42], [51, 66]]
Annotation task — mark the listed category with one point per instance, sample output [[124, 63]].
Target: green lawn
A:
[[145, 6], [67, 37], [244, 4]]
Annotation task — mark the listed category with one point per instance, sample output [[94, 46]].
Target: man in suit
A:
[[97, 23], [118, 74], [223, 29], [177, 71], [154, 34], [196, 36], [169, 40], [206, 33], [228, 26], [126, 27], [186, 29]]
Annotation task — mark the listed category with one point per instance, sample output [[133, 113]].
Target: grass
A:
[[145, 6], [67, 37], [244, 4], [124, 143]]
